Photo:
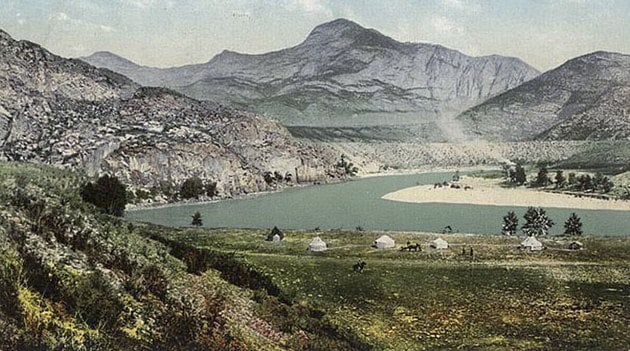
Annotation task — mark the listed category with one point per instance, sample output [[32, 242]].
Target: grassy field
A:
[[501, 298]]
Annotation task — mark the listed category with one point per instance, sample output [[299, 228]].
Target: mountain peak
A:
[[338, 24], [350, 32]]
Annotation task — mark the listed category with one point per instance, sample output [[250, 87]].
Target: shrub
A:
[[191, 188], [108, 194]]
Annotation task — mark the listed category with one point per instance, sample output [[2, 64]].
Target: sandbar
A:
[[490, 192]]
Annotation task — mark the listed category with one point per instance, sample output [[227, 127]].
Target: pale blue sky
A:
[[544, 33]]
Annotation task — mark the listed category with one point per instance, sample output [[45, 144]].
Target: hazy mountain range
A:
[[346, 82], [68, 113], [342, 75], [587, 98], [343, 82]]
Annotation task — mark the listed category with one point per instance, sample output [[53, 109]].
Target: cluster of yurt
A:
[[386, 242]]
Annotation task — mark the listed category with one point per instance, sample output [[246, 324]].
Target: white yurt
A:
[[384, 242], [531, 244], [439, 243], [317, 244], [276, 238]]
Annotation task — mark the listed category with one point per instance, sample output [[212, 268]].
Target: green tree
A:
[[536, 222], [273, 232], [519, 175], [542, 178], [601, 183], [108, 195], [196, 219], [572, 180], [211, 189], [510, 223], [191, 188], [346, 167], [573, 225], [560, 179], [585, 182]]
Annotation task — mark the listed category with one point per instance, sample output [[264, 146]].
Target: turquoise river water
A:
[[358, 203]]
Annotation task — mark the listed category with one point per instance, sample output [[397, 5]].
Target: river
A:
[[358, 203]]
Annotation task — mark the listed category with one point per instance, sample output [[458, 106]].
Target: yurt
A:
[[276, 238], [576, 245], [317, 244], [439, 243], [384, 242], [531, 244]]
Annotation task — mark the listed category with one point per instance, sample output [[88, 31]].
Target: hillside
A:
[[71, 279], [70, 114], [587, 98], [342, 74]]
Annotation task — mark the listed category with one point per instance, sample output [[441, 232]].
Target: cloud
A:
[[107, 29], [60, 16], [64, 18], [460, 5], [19, 19], [318, 7], [145, 4], [446, 26]]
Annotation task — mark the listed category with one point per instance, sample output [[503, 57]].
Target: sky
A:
[[163, 33]]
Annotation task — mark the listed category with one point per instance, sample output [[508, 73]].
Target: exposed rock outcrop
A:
[[68, 113]]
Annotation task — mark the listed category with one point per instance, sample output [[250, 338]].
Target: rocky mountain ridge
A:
[[587, 98], [341, 72], [71, 114]]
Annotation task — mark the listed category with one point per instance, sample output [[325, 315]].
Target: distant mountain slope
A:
[[68, 113], [587, 98], [342, 71]]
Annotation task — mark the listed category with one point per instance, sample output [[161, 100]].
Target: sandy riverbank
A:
[[490, 192]]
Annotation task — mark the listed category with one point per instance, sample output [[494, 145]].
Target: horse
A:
[[359, 266], [409, 247]]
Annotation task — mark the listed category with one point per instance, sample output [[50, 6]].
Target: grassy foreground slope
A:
[[499, 299], [71, 279]]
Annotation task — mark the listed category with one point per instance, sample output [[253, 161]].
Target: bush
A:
[[108, 194], [191, 188]]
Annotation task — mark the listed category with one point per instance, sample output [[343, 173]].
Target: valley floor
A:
[[498, 298], [481, 191]]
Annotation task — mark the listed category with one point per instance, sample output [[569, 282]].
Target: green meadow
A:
[[500, 298]]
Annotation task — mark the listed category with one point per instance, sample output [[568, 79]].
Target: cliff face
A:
[[71, 114], [341, 73], [587, 98]]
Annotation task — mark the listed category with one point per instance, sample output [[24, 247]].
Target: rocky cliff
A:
[[341, 74], [71, 114], [587, 98]]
